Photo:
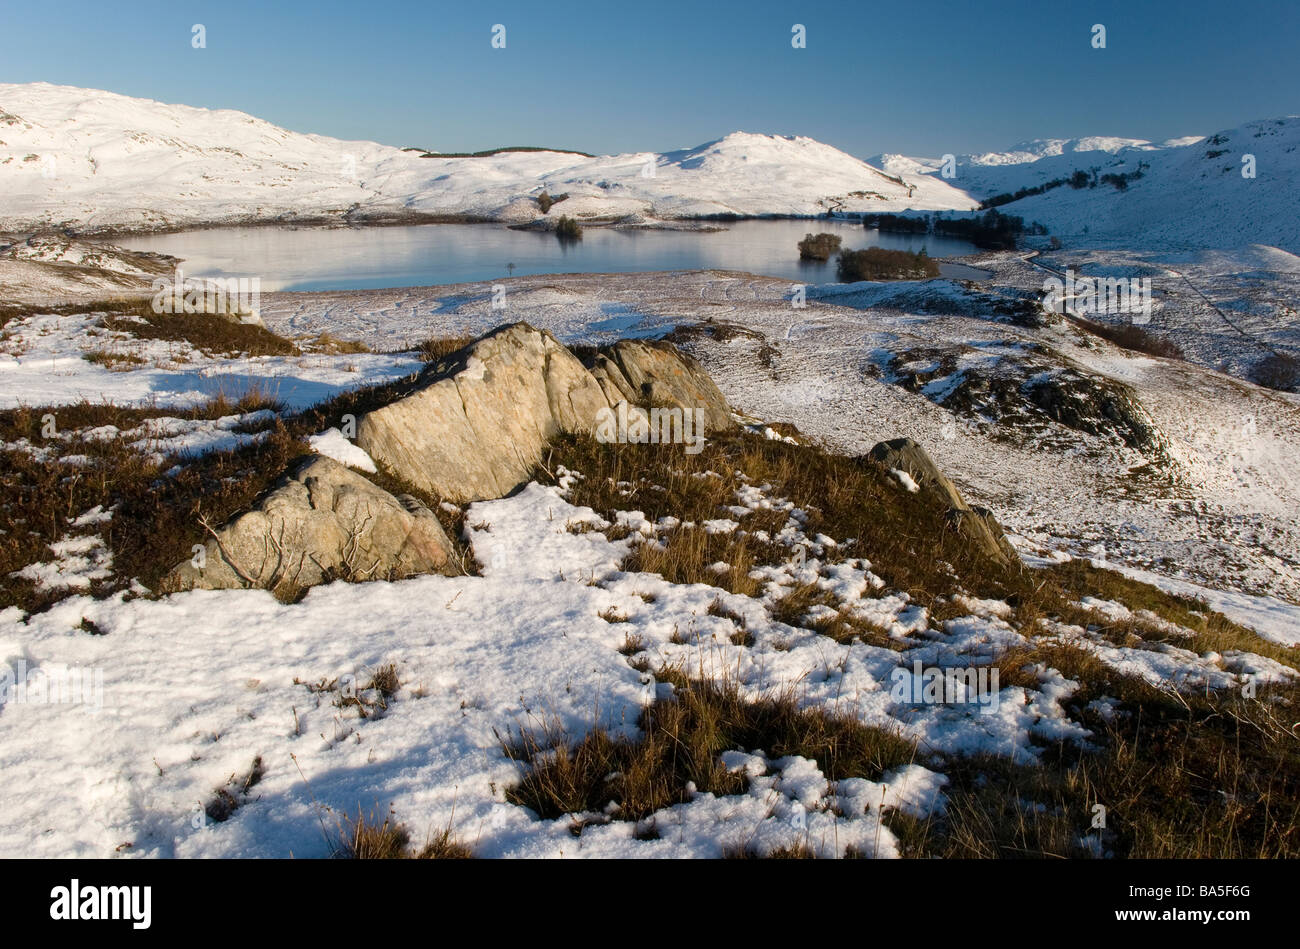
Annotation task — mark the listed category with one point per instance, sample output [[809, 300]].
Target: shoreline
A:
[[709, 222]]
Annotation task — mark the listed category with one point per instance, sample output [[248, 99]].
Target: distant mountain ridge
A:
[[97, 161], [94, 161], [1186, 192]]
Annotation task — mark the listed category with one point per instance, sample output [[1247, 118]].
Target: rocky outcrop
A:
[[322, 521], [642, 372], [480, 421], [478, 425], [475, 426], [976, 524]]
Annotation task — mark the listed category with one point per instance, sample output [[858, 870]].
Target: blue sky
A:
[[920, 79]]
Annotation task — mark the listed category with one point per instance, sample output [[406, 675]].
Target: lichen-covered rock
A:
[[975, 524], [322, 521]]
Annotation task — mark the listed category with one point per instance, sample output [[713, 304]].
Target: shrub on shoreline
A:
[[877, 263]]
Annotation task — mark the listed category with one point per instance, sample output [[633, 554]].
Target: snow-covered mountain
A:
[[96, 160], [1038, 148], [988, 173], [1187, 191]]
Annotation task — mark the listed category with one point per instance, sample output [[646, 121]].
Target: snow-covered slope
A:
[[1038, 148], [1022, 165], [1191, 192], [96, 160]]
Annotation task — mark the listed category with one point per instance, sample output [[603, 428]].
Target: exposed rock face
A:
[[1036, 396], [480, 423], [642, 372], [976, 524], [322, 521]]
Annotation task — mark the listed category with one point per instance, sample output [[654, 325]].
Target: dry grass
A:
[[682, 739], [213, 334], [1210, 776], [906, 537], [330, 344], [1212, 631], [437, 348], [688, 555], [134, 317], [385, 681], [367, 838], [113, 360], [156, 520], [1179, 775], [633, 643], [843, 497], [234, 793], [799, 851], [1132, 337], [370, 700]]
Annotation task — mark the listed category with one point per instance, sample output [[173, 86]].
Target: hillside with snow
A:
[[753, 595], [1185, 193], [97, 161]]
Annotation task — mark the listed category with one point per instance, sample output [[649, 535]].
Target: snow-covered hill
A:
[[1022, 165], [95, 160], [1191, 191]]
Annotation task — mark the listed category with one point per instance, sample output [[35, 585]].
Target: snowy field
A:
[[197, 691], [190, 691], [1226, 519]]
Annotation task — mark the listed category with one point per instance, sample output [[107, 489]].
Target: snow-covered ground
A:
[[83, 158], [186, 695], [178, 698], [43, 362], [1222, 512], [1225, 517]]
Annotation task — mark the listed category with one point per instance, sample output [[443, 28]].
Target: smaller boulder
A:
[[975, 524], [322, 521]]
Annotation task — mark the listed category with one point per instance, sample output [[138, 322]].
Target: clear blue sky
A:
[[623, 75]]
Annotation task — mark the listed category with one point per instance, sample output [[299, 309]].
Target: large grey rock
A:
[[642, 372], [321, 521], [480, 421], [975, 524]]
